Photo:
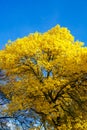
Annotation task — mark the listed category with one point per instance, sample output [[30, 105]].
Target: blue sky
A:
[[21, 17]]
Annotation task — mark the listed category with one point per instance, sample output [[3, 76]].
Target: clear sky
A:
[[21, 17]]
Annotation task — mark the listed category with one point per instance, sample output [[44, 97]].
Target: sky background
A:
[[18, 18]]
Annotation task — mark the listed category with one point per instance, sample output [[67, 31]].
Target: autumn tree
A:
[[48, 75]]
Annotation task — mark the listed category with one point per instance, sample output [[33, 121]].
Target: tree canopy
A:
[[48, 74]]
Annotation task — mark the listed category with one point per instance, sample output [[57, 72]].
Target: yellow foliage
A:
[[48, 73]]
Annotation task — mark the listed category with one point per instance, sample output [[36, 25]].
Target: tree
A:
[[48, 75]]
